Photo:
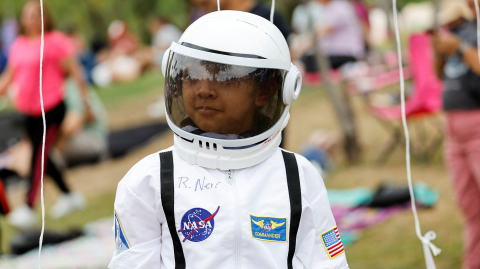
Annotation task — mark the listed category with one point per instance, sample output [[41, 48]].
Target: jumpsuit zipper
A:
[[231, 178]]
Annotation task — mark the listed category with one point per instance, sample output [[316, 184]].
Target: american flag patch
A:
[[332, 242]]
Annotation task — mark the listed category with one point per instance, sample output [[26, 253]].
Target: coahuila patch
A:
[[197, 224], [269, 228], [121, 240]]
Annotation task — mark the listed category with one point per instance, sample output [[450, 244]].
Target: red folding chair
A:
[[425, 101]]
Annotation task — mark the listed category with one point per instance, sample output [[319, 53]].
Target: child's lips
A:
[[207, 111]]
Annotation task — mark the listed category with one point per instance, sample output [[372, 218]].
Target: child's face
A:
[[219, 102]]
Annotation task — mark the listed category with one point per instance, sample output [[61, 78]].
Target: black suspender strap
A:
[[295, 194], [168, 203]]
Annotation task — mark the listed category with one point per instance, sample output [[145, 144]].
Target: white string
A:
[[430, 235], [272, 11], [478, 26], [218, 5], [43, 141]]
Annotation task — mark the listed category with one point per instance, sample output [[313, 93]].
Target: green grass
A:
[[119, 93]]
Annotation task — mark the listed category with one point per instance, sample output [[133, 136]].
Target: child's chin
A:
[[209, 128]]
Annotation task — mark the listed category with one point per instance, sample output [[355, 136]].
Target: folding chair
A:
[[425, 101]]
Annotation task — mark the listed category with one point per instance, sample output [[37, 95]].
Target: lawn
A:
[[392, 244]]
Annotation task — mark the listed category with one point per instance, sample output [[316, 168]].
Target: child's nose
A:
[[207, 90]]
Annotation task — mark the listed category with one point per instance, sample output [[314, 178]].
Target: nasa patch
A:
[[121, 240], [197, 224], [269, 228]]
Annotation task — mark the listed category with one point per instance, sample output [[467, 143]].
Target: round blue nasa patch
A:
[[197, 224]]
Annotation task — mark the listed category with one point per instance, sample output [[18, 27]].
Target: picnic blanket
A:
[[93, 250], [359, 208]]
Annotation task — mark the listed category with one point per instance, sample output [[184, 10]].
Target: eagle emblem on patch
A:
[[332, 243], [269, 228]]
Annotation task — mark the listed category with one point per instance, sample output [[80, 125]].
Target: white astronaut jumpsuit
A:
[[242, 218]]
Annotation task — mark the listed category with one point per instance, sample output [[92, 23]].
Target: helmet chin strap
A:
[[43, 139], [427, 245]]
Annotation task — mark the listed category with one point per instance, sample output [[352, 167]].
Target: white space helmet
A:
[[229, 83]]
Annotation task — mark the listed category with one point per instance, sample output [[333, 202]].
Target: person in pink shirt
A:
[[457, 64], [22, 73]]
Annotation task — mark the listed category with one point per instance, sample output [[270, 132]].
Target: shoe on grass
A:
[[66, 204], [23, 218]]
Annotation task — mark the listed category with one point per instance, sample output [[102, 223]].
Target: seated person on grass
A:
[[84, 133]]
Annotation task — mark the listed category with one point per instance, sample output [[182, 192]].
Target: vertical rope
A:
[[477, 9], [430, 235], [43, 139], [272, 11], [404, 119]]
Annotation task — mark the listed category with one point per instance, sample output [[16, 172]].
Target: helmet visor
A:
[[222, 101]]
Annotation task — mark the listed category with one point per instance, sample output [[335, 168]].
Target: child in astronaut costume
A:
[[225, 195]]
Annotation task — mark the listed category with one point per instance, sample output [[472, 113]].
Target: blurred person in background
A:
[[250, 6], [300, 41], [83, 138], [361, 9], [457, 63], [163, 34], [23, 73], [86, 56], [304, 16], [3, 61], [195, 11], [126, 58], [8, 33], [341, 34], [122, 41]]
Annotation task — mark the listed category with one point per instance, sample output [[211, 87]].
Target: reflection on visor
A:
[[222, 101], [221, 72]]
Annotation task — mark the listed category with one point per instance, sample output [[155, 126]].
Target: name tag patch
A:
[[269, 228]]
